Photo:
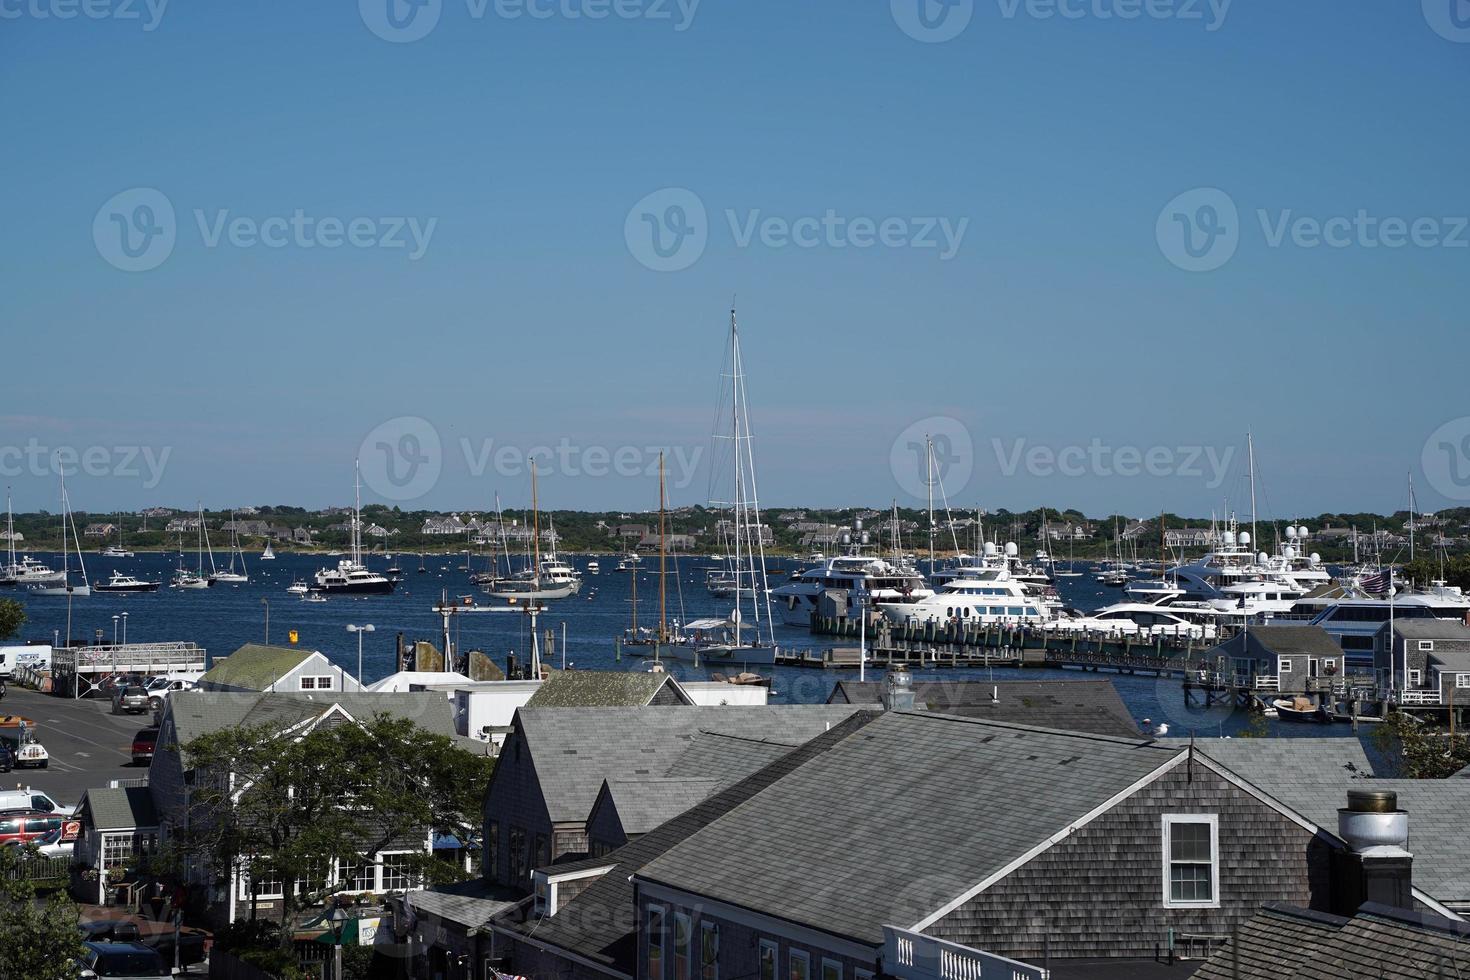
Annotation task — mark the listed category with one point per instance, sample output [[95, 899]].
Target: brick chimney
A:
[[1377, 867]]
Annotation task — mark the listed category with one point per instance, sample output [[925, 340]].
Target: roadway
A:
[[88, 744]]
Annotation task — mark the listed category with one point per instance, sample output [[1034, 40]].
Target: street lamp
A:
[[359, 630], [336, 919], [115, 618], [125, 629]]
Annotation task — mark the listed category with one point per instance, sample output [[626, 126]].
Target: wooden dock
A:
[[77, 671]]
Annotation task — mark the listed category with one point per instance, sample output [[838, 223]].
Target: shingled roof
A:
[[197, 713], [984, 793], [254, 667], [1376, 944], [643, 804], [1307, 641], [578, 748], [120, 808], [601, 689], [1430, 629], [600, 924], [1078, 706]]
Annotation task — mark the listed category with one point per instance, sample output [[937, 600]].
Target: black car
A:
[[7, 756]]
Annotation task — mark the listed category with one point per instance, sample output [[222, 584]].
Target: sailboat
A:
[[1071, 571], [661, 637], [229, 575], [64, 587], [530, 582], [185, 579], [28, 571], [268, 554], [351, 576], [747, 635], [117, 550]]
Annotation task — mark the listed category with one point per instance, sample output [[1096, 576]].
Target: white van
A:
[[32, 799], [13, 658]]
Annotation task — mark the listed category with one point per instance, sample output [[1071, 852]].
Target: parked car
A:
[[50, 844], [26, 828], [132, 960], [7, 756], [144, 744], [132, 700], [18, 800], [156, 935]]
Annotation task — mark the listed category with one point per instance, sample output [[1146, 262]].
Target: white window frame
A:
[[792, 955], [775, 949], [319, 682], [1416, 677], [1283, 666], [1426, 646], [1169, 820], [1462, 680]]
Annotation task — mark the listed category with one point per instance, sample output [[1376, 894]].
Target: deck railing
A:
[[1419, 697], [911, 955]]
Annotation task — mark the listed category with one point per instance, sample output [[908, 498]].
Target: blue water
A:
[[223, 618]]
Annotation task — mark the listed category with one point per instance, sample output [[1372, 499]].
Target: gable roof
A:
[[643, 804], [196, 713], [1080, 706], [1267, 761], [1304, 641], [600, 689], [255, 666], [1430, 629], [120, 808], [599, 924], [1451, 661], [575, 749], [986, 796], [1378, 943]]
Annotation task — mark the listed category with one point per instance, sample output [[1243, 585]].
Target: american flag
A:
[[1379, 581]]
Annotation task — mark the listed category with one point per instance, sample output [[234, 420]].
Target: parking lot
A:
[[88, 744]]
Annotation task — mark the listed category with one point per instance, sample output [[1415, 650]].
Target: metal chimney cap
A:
[[1373, 801]]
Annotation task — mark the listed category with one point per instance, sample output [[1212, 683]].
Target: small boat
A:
[[593, 568], [185, 579], [298, 587], [116, 551], [125, 583], [629, 562], [267, 554], [1298, 709], [745, 679], [314, 597], [63, 586]]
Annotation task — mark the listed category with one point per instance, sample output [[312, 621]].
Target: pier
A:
[[78, 671]]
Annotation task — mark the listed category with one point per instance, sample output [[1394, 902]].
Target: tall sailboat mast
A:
[[735, 513], [663, 538], [1250, 447]]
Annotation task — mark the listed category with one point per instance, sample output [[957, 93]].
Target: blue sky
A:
[[518, 146]]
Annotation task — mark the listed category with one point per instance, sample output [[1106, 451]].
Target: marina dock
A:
[[77, 671]]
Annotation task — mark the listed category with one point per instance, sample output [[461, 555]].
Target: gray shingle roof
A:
[[1451, 661], [1431, 629], [1267, 761], [466, 903], [1375, 944], [906, 814], [1311, 641], [123, 808], [1080, 706], [597, 689], [600, 923], [643, 804], [196, 713], [575, 749], [255, 666]]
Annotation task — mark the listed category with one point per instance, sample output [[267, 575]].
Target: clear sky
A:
[[980, 236]]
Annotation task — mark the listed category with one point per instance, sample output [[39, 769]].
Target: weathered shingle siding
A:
[[1100, 892], [515, 801], [666, 695]]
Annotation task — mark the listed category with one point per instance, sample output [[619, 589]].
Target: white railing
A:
[[911, 955], [127, 656], [1267, 682], [1419, 697]]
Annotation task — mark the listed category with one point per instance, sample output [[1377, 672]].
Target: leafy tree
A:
[[39, 940], [283, 807], [1417, 750], [12, 618], [1425, 570]]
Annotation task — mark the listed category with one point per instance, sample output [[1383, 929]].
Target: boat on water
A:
[[195, 579], [350, 576], [228, 575], [268, 554], [118, 582], [314, 597], [63, 587], [991, 596], [117, 551], [865, 577], [1167, 614], [298, 587], [542, 578], [629, 562], [1300, 710], [593, 568]]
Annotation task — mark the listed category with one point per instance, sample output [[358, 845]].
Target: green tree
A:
[[1418, 750], [283, 807], [12, 618], [39, 939]]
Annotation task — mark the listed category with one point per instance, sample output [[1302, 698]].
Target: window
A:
[[709, 950], [517, 855], [395, 872], [682, 939], [1283, 666], [492, 850], [1416, 676], [117, 849], [1462, 680], [1191, 860], [798, 966], [317, 683], [770, 953], [1426, 646], [269, 887], [831, 969], [359, 876], [655, 943]]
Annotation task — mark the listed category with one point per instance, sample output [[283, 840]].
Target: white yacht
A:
[[1354, 621], [863, 576], [1293, 563], [119, 582], [29, 571], [1167, 613], [1231, 561], [63, 586], [298, 587], [350, 576], [991, 596], [228, 575]]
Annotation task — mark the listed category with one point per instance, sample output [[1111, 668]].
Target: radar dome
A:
[[1262, 557], [1011, 549], [1245, 538], [990, 548], [1290, 531], [1315, 559]]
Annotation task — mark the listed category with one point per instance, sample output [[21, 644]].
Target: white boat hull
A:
[[721, 653]]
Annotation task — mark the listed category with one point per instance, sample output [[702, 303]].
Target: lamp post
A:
[[337, 918], [267, 604], [125, 629], [359, 630], [115, 618]]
